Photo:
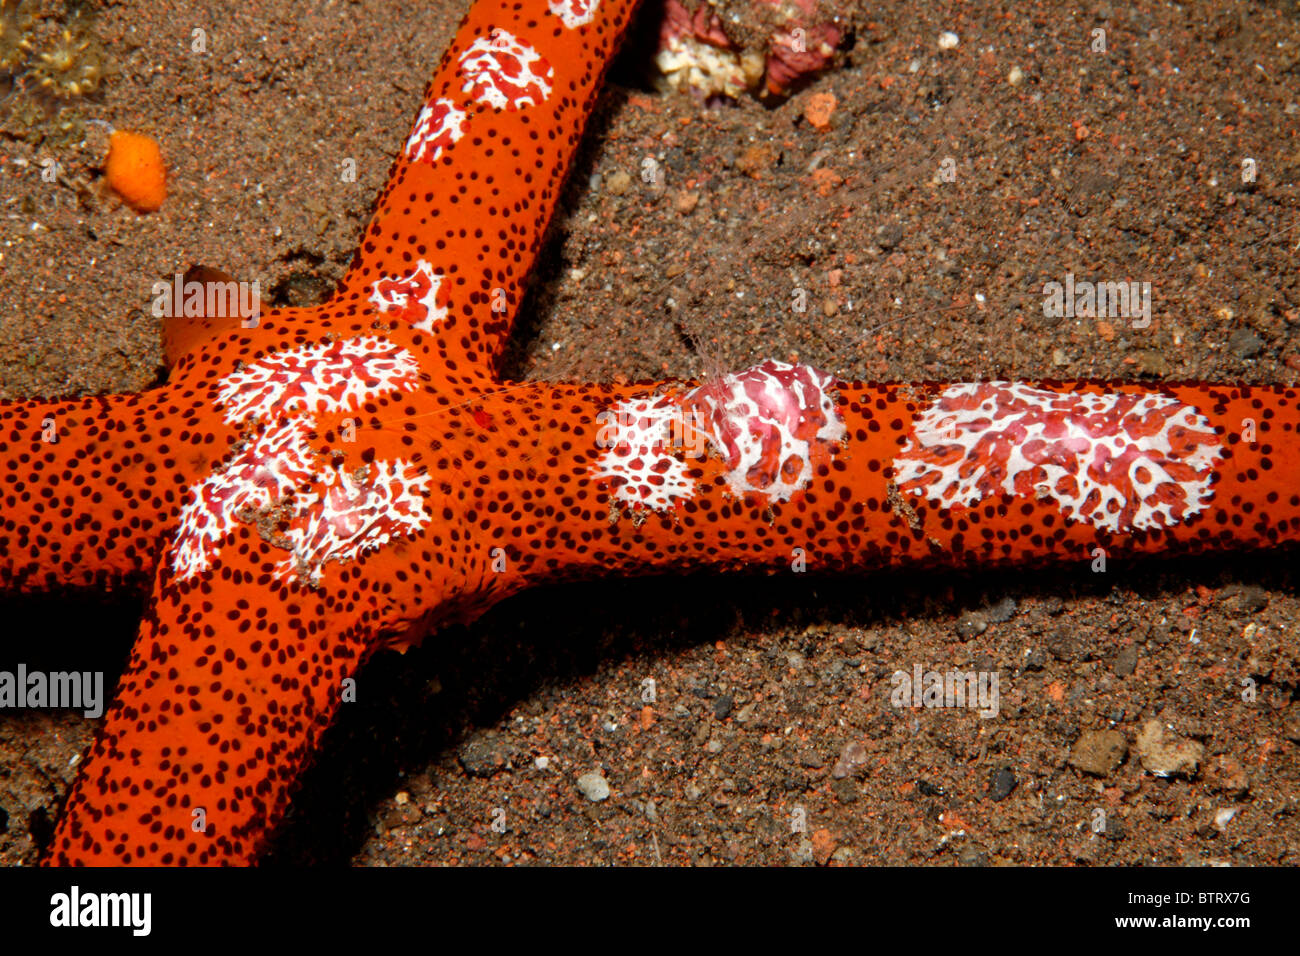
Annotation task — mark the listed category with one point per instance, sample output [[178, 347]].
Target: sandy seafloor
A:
[[1122, 165]]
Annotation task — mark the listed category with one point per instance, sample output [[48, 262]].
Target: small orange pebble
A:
[[819, 109], [825, 180], [135, 170]]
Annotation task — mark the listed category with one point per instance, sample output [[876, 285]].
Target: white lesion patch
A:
[[272, 468], [1119, 461], [504, 72], [354, 514], [277, 480], [412, 298], [767, 425], [640, 459], [574, 13], [439, 125], [333, 376]]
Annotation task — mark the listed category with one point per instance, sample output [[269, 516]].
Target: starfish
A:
[[311, 486]]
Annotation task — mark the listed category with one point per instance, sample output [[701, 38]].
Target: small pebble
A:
[[756, 160], [1125, 661], [1001, 612], [927, 789], [823, 845], [619, 183], [594, 786], [1250, 598], [818, 110], [1165, 754], [1098, 752], [483, 754], [1245, 344], [948, 40], [1153, 362], [1066, 644], [1016, 76], [889, 235], [971, 624], [973, 856], [811, 759], [1226, 773], [852, 755], [803, 853], [1001, 783]]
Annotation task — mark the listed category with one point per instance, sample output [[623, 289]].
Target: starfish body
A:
[[328, 482]]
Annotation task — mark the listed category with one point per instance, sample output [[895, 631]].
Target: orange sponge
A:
[[135, 170]]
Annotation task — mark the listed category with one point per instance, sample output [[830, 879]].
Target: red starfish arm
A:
[[458, 225], [780, 466], [88, 488], [233, 679]]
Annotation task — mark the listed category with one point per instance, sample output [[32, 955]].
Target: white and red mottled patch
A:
[[574, 13], [352, 515], [768, 423], [505, 72], [333, 376], [1118, 461], [411, 298], [276, 465], [317, 511], [640, 439], [439, 125]]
